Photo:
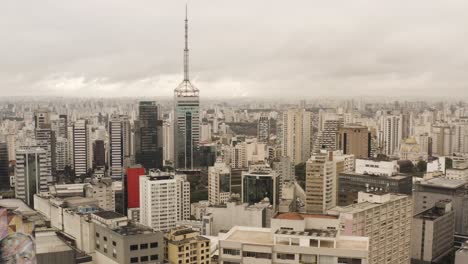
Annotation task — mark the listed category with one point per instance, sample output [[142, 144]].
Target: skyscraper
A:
[[297, 134], [4, 161], [320, 183], [149, 136], [186, 117], [81, 151], [391, 127], [263, 129], [119, 145], [31, 173], [219, 183]]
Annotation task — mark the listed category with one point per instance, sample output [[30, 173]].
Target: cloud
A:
[[238, 48]]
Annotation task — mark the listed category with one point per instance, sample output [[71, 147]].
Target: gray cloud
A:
[[238, 48]]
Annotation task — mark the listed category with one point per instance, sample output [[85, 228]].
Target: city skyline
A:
[[240, 50]]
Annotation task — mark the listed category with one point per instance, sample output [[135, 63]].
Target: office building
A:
[[186, 118], [82, 156], [61, 154], [259, 184], [4, 167], [327, 137], [219, 183], [185, 245], [377, 167], [149, 136], [42, 118], [297, 135], [321, 181], [443, 139], [117, 240], [428, 192], [432, 234], [31, 173], [461, 256], [351, 183], [302, 242], [385, 219], [99, 154], [132, 186], [164, 200], [391, 128], [356, 140], [119, 145], [45, 139], [263, 129], [168, 141], [285, 168], [101, 190]]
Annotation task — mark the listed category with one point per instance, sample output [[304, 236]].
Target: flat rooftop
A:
[[48, 242], [299, 216], [358, 207], [444, 183], [109, 215], [251, 237], [309, 232]]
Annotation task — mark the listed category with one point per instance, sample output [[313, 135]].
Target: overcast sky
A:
[[237, 48]]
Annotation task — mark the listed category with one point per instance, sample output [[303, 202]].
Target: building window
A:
[[133, 247], [144, 246], [105, 238], [97, 234], [154, 245], [144, 258], [230, 251], [154, 257], [97, 246], [134, 260], [114, 244]]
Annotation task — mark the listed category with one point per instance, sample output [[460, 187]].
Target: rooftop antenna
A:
[[186, 50]]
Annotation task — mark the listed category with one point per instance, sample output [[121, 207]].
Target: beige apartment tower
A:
[[355, 139]]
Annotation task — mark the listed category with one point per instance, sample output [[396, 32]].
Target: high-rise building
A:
[[4, 164], [327, 137], [186, 117], [149, 136], [285, 168], [391, 127], [321, 181], [185, 245], [219, 183], [356, 140], [432, 233], [81, 148], [31, 173], [132, 186], [260, 183], [61, 154], [297, 135], [99, 153], [168, 141], [45, 139], [41, 118], [263, 129], [119, 145], [164, 200], [443, 138], [62, 126], [385, 219]]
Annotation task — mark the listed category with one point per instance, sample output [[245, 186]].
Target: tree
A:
[[421, 166], [300, 170], [448, 163]]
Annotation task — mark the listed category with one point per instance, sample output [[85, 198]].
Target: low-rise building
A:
[[118, 240], [184, 245]]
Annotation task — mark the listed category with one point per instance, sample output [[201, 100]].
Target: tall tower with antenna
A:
[[186, 117]]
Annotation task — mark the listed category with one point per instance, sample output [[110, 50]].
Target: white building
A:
[[31, 173], [391, 127], [263, 129], [219, 183], [61, 153], [205, 133], [168, 141], [384, 218], [377, 167], [82, 147], [164, 200]]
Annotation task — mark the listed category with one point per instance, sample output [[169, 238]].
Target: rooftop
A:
[[444, 183], [251, 237], [48, 242], [133, 229], [359, 207], [299, 216], [109, 214], [309, 232], [399, 176]]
